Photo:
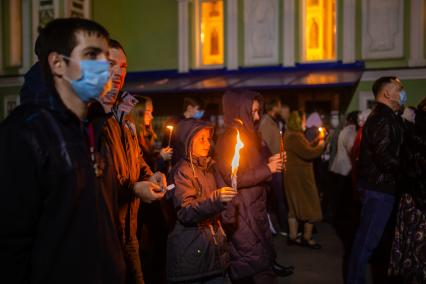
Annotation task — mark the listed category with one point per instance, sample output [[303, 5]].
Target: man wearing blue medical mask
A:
[[57, 217], [379, 171]]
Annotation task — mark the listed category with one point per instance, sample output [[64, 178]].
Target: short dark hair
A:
[[59, 36], [270, 104], [115, 44], [192, 101], [380, 83], [352, 117]]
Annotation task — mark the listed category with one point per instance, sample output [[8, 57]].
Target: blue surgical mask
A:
[[199, 114], [403, 97], [95, 75]]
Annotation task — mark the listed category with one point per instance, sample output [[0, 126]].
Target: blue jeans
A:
[[376, 210]]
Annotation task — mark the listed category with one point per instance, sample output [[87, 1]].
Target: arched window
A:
[[319, 30], [209, 33]]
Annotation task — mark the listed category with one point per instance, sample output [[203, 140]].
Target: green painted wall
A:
[[148, 30], [415, 90]]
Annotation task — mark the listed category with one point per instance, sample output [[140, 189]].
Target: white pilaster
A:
[[349, 30], [232, 35], [1, 41], [27, 47], [417, 34], [289, 37], [183, 36]]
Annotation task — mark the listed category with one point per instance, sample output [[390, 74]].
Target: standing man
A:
[[272, 136], [378, 172], [56, 219], [135, 180]]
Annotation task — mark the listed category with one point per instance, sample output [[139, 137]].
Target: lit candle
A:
[[282, 147], [321, 132], [170, 127], [236, 161]]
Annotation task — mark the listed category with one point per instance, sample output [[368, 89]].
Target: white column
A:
[[289, 23], [27, 47], [1, 41], [416, 34], [183, 36], [232, 35], [349, 30]]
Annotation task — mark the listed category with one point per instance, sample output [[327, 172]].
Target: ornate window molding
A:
[[261, 18], [382, 38], [78, 8], [43, 12]]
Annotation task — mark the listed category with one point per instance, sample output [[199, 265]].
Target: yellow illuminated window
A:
[[319, 30], [211, 32]]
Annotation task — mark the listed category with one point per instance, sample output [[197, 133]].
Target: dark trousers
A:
[[376, 210], [266, 277], [210, 280], [277, 203]]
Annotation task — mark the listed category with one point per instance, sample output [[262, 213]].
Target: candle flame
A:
[[170, 127], [236, 159]]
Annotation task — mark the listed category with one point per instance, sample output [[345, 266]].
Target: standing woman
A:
[[152, 218], [408, 255], [301, 191], [142, 114]]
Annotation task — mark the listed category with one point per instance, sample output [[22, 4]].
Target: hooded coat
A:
[[196, 248], [245, 218], [58, 219]]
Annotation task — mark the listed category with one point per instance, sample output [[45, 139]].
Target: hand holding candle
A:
[[236, 161], [170, 128], [321, 131]]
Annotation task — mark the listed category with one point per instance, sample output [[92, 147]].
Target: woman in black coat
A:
[[408, 258], [245, 219]]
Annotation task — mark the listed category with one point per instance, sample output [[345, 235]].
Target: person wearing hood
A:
[[245, 218], [57, 214], [135, 180], [299, 181], [196, 248]]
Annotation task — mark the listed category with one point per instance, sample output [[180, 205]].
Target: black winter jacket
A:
[[379, 160], [58, 220], [413, 159], [196, 248]]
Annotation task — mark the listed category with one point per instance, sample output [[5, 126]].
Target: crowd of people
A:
[[92, 194]]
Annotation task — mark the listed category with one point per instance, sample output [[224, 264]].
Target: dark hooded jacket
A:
[[245, 219], [58, 219], [196, 248]]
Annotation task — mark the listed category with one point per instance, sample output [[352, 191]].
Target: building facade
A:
[[187, 38]]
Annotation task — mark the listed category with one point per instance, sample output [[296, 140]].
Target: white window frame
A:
[[303, 30], [36, 19], [198, 45], [9, 98], [86, 9]]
